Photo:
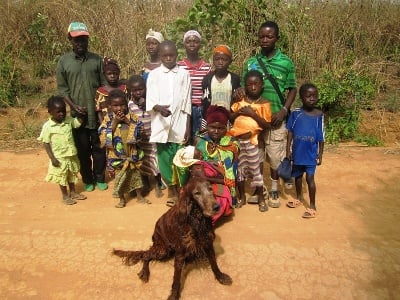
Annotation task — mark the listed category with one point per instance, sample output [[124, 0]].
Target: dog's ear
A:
[[185, 202]]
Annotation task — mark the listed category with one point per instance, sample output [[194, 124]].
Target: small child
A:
[[111, 72], [58, 141], [137, 105], [305, 145], [120, 132], [251, 116], [169, 103], [219, 85]]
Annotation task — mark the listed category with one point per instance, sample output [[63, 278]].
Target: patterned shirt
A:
[[78, 79], [197, 73], [59, 136], [281, 68]]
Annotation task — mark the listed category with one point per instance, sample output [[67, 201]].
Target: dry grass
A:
[[317, 35]]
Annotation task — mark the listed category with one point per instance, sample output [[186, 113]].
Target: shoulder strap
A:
[[271, 79]]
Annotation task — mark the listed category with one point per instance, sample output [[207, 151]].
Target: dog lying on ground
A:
[[185, 232]]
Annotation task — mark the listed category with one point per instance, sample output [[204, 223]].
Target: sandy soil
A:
[[350, 251]]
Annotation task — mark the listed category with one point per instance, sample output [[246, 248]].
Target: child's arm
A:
[[49, 151], [187, 131], [250, 112], [320, 152], [289, 145]]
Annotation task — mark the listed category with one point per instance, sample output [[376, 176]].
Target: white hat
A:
[[184, 157]]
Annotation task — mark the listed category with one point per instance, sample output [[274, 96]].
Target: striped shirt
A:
[[197, 73], [281, 68]]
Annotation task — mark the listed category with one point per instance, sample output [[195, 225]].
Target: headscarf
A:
[[217, 113], [110, 64], [155, 35], [191, 33], [223, 49]]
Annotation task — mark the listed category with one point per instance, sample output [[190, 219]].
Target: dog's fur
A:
[[185, 232]]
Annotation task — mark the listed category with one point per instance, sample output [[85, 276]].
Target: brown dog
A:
[[184, 232]]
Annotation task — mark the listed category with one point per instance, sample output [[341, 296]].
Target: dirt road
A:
[[350, 251]]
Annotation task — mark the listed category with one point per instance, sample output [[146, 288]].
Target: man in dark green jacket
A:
[[79, 74]]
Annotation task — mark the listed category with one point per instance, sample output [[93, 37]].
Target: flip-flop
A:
[[171, 202], [262, 206], [294, 203], [120, 205], [78, 196], [309, 213], [252, 199]]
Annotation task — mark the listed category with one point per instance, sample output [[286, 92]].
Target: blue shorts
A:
[[298, 170]]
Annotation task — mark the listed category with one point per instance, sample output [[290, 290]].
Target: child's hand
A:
[[80, 110], [163, 110], [289, 155], [239, 94], [319, 160], [55, 162], [120, 117], [247, 111]]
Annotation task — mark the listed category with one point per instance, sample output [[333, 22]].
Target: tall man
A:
[[79, 74], [279, 88]]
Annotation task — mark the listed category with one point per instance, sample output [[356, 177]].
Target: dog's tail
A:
[[129, 257]]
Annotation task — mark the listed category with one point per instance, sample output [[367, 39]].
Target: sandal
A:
[[262, 206], [294, 203], [274, 201], [309, 213], [143, 201], [171, 202], [77, 196], [240, 203], [121, 204], [253, 199], [68, 200]]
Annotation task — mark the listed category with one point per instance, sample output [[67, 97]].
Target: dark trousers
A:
[[91, 156]]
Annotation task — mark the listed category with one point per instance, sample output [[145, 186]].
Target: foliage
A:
[[341, 97], [369, 140], [10, 81], [350, 48], [42, 47]]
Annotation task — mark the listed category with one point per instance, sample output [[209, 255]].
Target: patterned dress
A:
[[226, 154], [123, 154]]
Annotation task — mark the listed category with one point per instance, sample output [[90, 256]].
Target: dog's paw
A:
[[144, 276], [224, 279], [173, 296]]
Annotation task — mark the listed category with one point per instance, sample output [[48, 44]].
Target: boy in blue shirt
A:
[[305, 145]]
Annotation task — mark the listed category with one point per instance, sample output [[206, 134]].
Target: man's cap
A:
[[77, 29]]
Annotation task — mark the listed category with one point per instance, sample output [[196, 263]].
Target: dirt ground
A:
[[350, 251]]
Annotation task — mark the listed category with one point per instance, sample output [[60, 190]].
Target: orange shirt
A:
[[244, 124]]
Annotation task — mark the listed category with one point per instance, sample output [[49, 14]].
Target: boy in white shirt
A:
[[168, 99]]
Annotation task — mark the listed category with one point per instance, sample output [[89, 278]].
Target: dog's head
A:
[[201, 192]]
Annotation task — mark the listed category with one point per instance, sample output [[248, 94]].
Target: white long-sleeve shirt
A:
[[169, 87]]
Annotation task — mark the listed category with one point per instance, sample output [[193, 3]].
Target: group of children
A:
[[148, 121]]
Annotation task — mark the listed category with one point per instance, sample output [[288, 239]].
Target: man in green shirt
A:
[[270, 60], [79, 74]]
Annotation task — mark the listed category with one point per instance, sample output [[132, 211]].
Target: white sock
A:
[[274, 185]]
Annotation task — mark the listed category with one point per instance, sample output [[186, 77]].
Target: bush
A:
[[10, 81], [341, 97]]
